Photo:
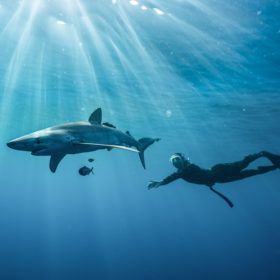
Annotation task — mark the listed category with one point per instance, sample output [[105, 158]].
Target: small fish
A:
[[84, 171], [91, 160]]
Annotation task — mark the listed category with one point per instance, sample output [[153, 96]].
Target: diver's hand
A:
[[153, 184]]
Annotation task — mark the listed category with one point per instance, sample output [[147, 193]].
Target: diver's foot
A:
[[263, 168], [275, 159]]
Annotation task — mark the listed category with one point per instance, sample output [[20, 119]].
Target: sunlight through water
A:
[[201, 75]]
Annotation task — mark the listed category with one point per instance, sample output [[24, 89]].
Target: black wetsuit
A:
[[223, 173], [191, 173]]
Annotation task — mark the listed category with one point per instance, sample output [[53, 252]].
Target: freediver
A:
[[220, 173]]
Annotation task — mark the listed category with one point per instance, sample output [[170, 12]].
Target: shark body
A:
[[79, 137]]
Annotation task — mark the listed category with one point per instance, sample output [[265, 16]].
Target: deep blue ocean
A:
[[202, 75]]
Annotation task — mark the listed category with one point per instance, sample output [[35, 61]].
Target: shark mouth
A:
[[40, 152]]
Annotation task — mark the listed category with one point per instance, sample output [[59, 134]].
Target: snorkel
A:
[[179, 161]]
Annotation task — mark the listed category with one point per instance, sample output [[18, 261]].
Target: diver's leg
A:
[[227, 172], [252, 172], [227, 177], [235, 167], [250, 158]]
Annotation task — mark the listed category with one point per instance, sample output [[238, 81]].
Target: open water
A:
[[203, 75]]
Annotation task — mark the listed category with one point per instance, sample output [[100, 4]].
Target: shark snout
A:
[[17, 145], [22, 144], [10, 144]]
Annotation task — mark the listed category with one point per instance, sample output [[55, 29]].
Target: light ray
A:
[[17, 59]]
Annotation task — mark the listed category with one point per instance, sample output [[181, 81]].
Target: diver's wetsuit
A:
[[223, 173]]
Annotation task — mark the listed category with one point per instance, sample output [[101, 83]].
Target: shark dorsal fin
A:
[[55, 160], [96, 117]]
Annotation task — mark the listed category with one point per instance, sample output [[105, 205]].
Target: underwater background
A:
[[201, 75]]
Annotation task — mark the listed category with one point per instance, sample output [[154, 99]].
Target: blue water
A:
[[201, 75]]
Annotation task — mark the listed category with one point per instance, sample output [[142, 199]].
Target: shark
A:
[[79, 137]]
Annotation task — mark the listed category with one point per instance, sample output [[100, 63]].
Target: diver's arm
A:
[[170, 178], [165, 181]]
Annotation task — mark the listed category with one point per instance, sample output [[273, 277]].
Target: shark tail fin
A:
[[144, 144]]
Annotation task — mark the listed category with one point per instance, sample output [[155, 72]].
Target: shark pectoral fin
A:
[[55, 160], [96, 117], [109, 147]]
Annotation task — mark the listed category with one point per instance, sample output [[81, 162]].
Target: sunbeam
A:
[[102, 46], [105, 78]]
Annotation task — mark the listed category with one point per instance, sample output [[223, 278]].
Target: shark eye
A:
[[38, 141]]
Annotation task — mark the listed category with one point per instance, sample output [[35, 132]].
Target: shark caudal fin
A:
[[144, 144]]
